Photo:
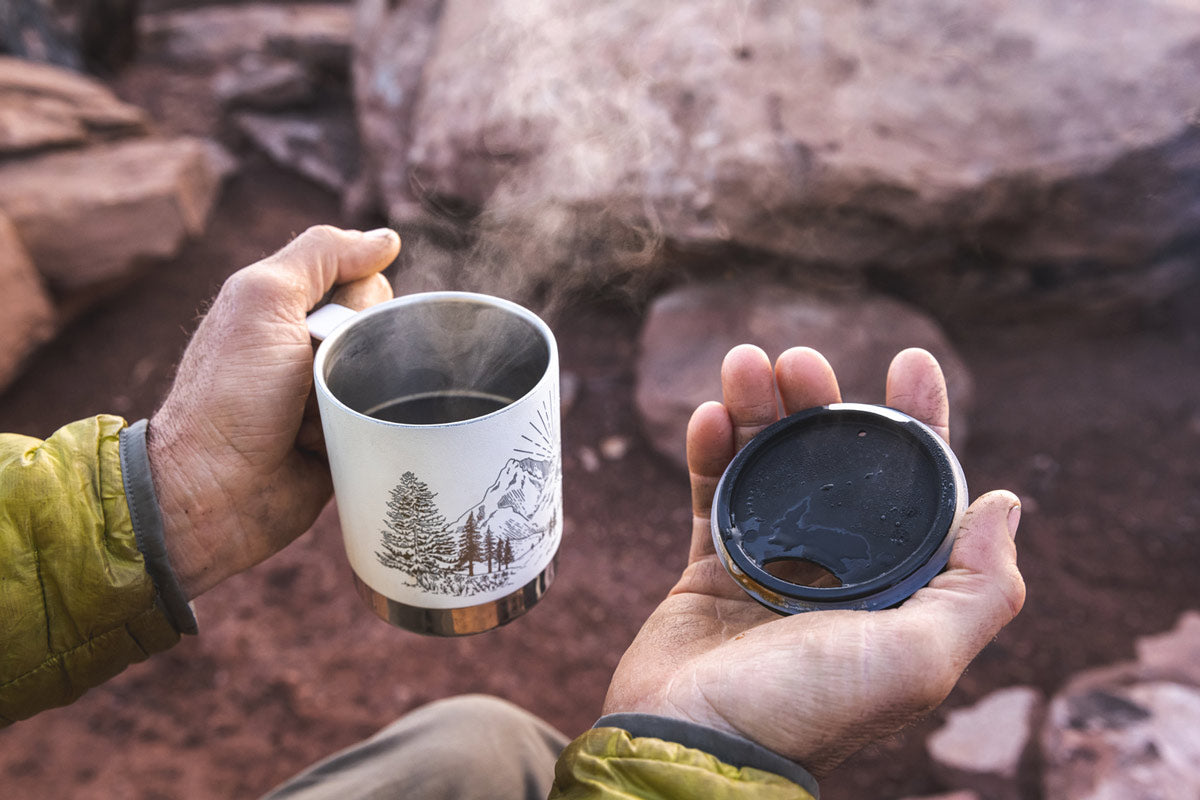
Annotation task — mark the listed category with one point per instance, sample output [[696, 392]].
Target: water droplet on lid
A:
[[827, 487]]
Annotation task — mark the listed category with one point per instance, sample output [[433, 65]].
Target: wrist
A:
[[146, 519], [185, 492]]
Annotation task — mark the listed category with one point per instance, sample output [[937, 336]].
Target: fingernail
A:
[[1014, 520], [383, 234]]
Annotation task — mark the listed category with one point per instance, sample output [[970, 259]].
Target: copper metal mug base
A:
[[459, 621]]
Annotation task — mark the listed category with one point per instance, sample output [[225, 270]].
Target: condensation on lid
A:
[[863, 498]]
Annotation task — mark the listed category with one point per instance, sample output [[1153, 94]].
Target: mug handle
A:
[[326, 319]]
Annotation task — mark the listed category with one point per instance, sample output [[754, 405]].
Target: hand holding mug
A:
[[236, 449]]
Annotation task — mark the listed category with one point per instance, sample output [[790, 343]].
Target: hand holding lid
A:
[[814, 687]]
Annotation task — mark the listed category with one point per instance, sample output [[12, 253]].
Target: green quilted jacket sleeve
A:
[[76, 602], [613, 764]]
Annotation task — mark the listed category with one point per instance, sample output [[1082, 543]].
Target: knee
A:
[[469, 716], [478, 708]]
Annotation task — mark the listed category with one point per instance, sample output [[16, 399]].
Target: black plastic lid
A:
[[869, 494]]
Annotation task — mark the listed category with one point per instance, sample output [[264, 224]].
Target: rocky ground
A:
[[1094, 422], [1097, 430]]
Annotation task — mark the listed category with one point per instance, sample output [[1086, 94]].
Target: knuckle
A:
[[250, 280], [1013, 592], [259, 286], [319, 235]]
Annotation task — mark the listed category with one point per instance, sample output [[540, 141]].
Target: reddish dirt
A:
[[1097, 431]]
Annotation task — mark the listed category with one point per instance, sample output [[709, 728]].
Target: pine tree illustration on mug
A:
[[470, 545], [481, 547], [416, 539]]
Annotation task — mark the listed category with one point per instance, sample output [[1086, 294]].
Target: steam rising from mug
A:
[[436, 349]]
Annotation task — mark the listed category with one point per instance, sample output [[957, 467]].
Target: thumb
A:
[[323, 256], [981, 589]]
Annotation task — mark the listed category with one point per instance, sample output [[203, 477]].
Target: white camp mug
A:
[[441, 420]]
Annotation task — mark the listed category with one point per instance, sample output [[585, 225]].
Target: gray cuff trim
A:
[[148, 527], [733, 750]]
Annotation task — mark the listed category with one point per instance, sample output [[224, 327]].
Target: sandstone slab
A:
[[89, 216], [1135, 741], [318, 33], [25, 308], [43, 107], [1174, 655], [688, 331], [321, 146], [985, 747]]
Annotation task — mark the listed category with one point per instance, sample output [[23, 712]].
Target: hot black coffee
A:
[[438, 408]]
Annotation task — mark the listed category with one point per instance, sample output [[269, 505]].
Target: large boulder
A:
[[688, 331], [43, 107], [91, 216], [392, 43], [949, 152], [25, 308]]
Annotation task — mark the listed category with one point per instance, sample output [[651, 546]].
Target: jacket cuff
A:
[[732, 750], [148, 527]]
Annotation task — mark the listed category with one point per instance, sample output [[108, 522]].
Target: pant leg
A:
[[462, 748]]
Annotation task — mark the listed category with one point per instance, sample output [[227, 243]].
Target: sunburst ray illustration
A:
[[541, 442]]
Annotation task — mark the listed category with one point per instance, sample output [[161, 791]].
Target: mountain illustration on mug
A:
[[512, 526]]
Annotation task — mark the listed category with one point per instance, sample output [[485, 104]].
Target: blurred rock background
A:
[[1014, 186]]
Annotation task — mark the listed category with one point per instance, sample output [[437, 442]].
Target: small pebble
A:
[[588, 459], [614, 448]]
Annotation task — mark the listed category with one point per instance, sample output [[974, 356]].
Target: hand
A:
[[236, 450], [814, 687]]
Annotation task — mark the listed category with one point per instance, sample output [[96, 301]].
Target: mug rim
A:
[[321, 358]]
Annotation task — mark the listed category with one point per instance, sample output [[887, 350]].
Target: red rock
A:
[[25, 309], [688, 332], [215, 34], [1129, 730], [320, 146], [46, 107], [89, 216], [985, 747], [1015, 153], [1106, 737], [1174, 654]]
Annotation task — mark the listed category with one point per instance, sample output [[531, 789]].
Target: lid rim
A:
[[912, 571]]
